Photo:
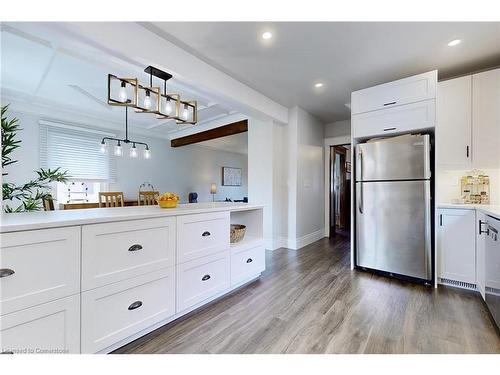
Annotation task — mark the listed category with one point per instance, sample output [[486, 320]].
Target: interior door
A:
[[393, 227], [338, 188]]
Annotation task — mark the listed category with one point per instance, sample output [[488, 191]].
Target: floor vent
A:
[[458, 284]]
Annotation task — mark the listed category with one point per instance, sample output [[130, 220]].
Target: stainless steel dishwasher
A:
[[492, 262]]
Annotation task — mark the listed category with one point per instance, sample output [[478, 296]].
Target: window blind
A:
[[75, 149]]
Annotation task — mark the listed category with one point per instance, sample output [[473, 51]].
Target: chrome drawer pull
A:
[[206, 233], [388, 129], [135, 247], [205, 278], [249, 260], [135, 305], [390, 103], [4, 272]]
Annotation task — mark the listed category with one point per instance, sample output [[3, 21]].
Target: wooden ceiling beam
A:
[[222, 131]]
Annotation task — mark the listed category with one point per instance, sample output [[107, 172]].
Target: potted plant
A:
[[29, 196]]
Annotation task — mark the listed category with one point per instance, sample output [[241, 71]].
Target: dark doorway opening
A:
[[340, 190]]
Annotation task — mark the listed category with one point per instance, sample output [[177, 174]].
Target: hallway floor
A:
[[309, 301]]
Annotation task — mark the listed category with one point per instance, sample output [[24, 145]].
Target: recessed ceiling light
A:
[[318, 85], [454, 42], [267, 35]]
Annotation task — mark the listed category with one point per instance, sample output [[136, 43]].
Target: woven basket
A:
[[237, 232]]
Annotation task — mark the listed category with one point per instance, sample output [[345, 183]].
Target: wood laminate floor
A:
[[309, 301]]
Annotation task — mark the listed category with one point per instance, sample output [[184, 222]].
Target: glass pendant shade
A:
[[168, 107], [147, 100], [122, 93], [147, 153], [103, 147], [133, 151], [118, 149]]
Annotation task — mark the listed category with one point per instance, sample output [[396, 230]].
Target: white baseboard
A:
[[296, 244]]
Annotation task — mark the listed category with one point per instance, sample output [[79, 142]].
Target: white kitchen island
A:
[[92, 280]]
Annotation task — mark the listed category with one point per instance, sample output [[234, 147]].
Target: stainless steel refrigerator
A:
[[393, 206]]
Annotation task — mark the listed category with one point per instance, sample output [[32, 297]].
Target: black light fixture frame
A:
[[126, 140]]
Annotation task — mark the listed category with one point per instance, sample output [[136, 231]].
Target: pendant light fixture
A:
[[118, 149], [150, 99]]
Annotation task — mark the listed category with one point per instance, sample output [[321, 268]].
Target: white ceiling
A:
[[233, 143], [41, 67], [345, 56]]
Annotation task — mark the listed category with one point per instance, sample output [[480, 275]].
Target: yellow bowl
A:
[[167, 204]]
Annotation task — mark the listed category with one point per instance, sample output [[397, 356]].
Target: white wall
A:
[[306, 203], [338, 129], [181, 170], [260, 172]]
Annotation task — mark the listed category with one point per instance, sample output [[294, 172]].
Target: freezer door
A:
[[393, 227], [400, 158]]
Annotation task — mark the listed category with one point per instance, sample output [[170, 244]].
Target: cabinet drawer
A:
[[51, 328], [201, 235], [113, 252], [404, 91], [247, 263], [38, 266], [396, 120], [201, 279], [115, 312]]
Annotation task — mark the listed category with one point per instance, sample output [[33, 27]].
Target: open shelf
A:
[[248, 242]]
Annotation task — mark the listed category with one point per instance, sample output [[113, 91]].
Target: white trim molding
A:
[[298, 243]]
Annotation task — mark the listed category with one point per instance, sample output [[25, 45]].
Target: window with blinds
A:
[[75, 149]]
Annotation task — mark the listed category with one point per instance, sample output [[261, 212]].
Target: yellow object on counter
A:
[[168, 204]]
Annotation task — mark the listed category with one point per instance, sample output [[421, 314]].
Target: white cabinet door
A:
[[50, 328], [453, 126], [247, 263], [201, 279], [456, 245], [201, 235], [119, 310], [38, 266], [481, 230], [114, 252], [401, 119], [391, 94], [486, 119]]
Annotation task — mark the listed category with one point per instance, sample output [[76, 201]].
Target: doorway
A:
[[340, 190]]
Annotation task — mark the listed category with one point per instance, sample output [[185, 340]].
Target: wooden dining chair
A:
[[48, 203], [111, 199], [148, 198]]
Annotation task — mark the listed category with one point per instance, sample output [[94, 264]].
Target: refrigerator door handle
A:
[[360, 202], [360, 157], [428, 230]]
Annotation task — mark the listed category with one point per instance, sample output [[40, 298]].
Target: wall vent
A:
[[458, 284]]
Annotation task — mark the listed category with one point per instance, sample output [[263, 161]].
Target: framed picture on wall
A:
[[231, 176]]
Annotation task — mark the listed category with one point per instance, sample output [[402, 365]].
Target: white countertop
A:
[[488, 209], [62, 218]]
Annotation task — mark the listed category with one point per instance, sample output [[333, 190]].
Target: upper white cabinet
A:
[[486, 119], [468, 121], [404, 91], [456, 245], [397, 120], [454, 119]]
